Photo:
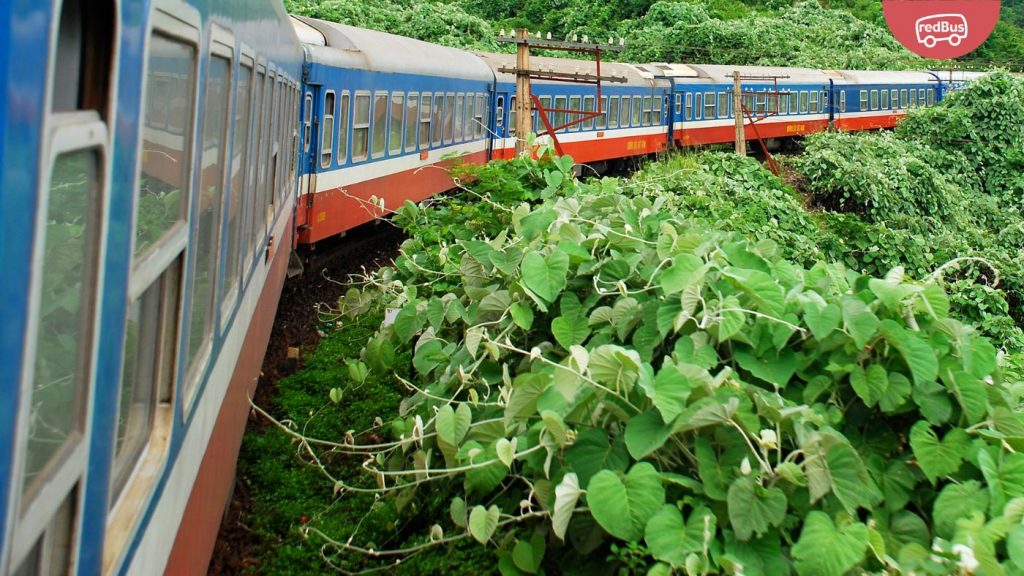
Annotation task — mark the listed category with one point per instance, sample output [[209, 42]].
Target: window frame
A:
[[613, 112], [326, 133], [356, 95], [343, 120], [391, 149], [426, 106], [411, 126]]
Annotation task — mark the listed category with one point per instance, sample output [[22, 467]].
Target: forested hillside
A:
[[829, 34]]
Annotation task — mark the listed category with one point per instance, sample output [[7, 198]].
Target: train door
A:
[[311, 101], [498, 120]]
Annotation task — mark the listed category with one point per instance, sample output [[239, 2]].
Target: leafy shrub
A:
[[605, 371], [986, 123], [880, 177]]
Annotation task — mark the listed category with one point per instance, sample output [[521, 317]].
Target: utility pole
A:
[[524, 115], [526, 102], [737, 112]]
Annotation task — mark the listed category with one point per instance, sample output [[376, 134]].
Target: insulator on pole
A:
[[549, 35]]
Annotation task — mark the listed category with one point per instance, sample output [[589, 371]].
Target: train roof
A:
[[343, 46], [884, 77], [722, 73], [633, 75], [958, 75]]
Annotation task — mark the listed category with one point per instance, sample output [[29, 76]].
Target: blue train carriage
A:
[[149, 164], [953, 80], [634, 113], [869, 100], [383, 116], [797, 104]]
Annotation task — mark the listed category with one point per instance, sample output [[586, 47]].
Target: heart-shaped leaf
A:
[[483, 522], [545, 276], [567, 493], [824, 550], [623, 507], [938, 458], [753, 508]]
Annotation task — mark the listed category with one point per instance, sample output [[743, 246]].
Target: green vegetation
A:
[[836, 34], [698, 370], [288, 491]]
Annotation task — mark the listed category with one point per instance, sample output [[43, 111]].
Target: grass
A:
[[288, 492]]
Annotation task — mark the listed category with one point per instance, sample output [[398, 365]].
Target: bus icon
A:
[[949, 28]]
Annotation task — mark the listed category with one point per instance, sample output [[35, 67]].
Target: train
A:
[[163, 161]]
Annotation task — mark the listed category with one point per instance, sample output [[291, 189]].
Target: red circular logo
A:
[[941, 28]]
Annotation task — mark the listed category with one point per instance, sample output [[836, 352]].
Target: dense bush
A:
[[946, 185], [606, 370]]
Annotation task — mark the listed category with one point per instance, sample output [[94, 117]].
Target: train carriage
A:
[[383, 116], [148, 157], [786, 102], [634, 110], [160, 159], [874, 100]]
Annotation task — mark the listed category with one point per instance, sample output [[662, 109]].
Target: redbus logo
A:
[[949, 28], [941, 28]]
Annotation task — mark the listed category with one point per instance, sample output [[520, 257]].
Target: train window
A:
[[257, 228], [343, 115], [361, 127], [913, 97], [467, 122], [147, 372], [412, 118], [689, 106], [478, 121], [602, 119], [588, 106], [512, 116], [437, 119], [885, 99], [874, 100], [307, 122], [813, 109], [903, 98], [396, 123], [842, 101], [52, 553], [239, 149], [679, 104], [723, 105], [459, 121], [83, 57], [612, 112], [538, 124], [863, 100], [635, 118], [931, 97], [894, 98], [449, 117], [379, 125], [709, 106], [574, 104], [773, 102], [648, 112], [327, 131], [206, 229], [921, 97], [558, 118], [425, 121], [824, 101], [60, 369], [163, 190]]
